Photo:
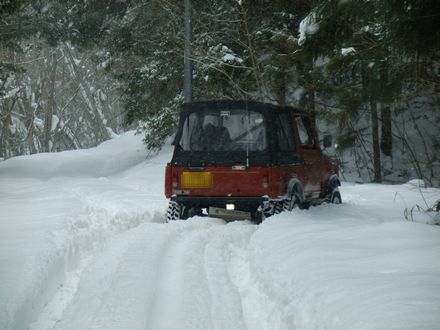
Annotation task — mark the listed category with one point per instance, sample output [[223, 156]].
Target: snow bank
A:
[[55, 208], [111, 157], [353, 266]]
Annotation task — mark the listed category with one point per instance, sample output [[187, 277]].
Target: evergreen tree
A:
[[412, 26], [145, 55], [359, 69], [242, 50]]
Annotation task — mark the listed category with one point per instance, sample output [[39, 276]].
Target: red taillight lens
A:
[[265, 182], [175, 180]]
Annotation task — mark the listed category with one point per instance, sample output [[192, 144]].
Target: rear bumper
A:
[[213, 200]]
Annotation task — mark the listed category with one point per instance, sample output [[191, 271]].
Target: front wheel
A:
[[292, 203], [335, 197]]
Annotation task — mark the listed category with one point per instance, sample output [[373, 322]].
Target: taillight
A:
[[175, 180], [265, 182], [168, 181]]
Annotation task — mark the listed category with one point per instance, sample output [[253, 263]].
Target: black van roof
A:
[[231, 104]]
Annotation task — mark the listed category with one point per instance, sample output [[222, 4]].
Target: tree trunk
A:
[[47, 133], [307, 101], [386, 143], [5, 134], [375, 138], [26, 109], [311, 102], [280, 90]]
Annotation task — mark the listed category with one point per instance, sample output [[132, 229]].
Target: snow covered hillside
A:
[[83, 245]]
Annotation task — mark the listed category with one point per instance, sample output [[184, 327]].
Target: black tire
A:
[[272, 208], [268, 211], [278, 207], [335, 197], [175, 211], [292, 203]]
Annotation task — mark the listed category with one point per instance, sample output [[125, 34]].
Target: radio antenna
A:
[[247, 135], [188, 64]]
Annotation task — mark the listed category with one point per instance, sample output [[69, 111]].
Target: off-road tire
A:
[[292, 203], [273, 208], [268, 210], [335, 197], [278, 207], [174, 211]]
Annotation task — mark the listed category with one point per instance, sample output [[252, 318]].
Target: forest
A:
[[74, 73]]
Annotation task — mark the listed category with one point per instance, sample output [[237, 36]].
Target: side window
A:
[[286, 140], [305, 132], [191, 138]]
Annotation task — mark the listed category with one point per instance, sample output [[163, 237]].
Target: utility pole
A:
[[188, 65]]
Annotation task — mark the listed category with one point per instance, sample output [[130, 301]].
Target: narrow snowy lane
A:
[[193, 280], [181, 275]]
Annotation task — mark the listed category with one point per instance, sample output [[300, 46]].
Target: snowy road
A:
[[159, 276], [83, 245]]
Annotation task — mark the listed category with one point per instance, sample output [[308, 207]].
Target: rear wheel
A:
[[278, 207], [272, 208], [176, 211]]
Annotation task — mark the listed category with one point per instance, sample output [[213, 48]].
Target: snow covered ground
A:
[[83, 245]]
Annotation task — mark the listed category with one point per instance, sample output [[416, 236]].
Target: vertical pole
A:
[[188, 66], [376, 144]]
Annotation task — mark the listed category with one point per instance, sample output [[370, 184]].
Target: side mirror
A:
[[328, 141]]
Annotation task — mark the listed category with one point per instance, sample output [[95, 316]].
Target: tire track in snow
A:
[[181, 299], [205, 282], [261, 311], [247, 305], [192, 274], [226, 309], [118, 282]]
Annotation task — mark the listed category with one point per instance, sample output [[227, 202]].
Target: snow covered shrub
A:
[[429, 215]]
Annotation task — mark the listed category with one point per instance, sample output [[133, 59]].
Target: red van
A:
[[243, 159]]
